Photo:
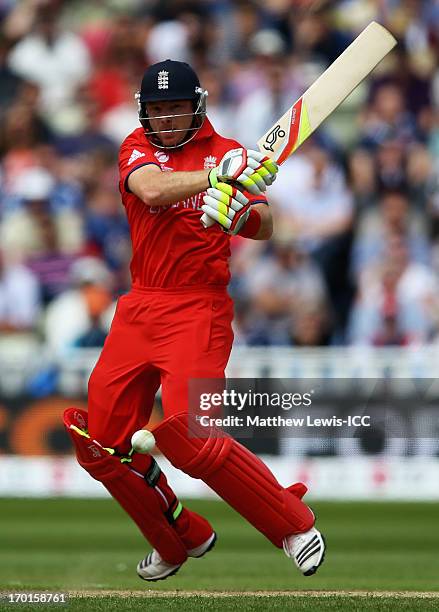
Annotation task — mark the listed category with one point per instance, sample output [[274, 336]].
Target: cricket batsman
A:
[[175, 325]]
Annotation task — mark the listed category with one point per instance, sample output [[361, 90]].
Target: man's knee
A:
[[91, 455]]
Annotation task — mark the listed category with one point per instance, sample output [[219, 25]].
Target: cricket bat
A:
[[324, 95]]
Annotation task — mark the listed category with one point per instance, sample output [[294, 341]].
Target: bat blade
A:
[[324, 95], [327, 92]]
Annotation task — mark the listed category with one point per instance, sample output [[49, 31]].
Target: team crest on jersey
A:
[[162, 79], [209, 162], [162, 157], [135, 155]]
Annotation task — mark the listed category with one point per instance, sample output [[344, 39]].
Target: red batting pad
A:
[[143, 503], [298, 489], [238, 476], [192, 528]]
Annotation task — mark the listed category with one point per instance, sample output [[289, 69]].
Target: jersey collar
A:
[[206, 131]]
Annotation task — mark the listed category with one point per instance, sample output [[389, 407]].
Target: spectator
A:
[[22, 132], [82, 315], [316, 38], [221, 112], [392, 216], [113, 78], [420, 176], [243, 23], [391, 165], [272, 91], [312, 199], [9, 81], [310, 324], [275, 284], [168, 39], [107, 231], [22, 230], [362, 179], [51, 266], [88, 138], [387, 118], [397, 299], [315, 206], [186, 29], [19, 297], [56, 60]]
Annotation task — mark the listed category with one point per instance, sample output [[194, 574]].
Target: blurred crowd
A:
[[355, 254]]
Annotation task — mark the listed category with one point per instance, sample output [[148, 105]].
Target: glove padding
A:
[[227, 206], [251, 170]]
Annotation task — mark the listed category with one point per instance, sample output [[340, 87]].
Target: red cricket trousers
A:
[[158, 336]]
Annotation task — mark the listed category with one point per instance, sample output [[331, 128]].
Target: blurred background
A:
[[348, 286]]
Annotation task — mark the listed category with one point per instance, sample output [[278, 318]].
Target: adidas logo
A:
[[312, 547], [135, 155], [209, 162]]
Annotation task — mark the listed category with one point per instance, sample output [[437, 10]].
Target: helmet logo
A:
[[162, 79]]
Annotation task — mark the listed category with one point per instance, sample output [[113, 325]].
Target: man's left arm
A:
[[265, 230]]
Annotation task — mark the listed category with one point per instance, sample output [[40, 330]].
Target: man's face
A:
[[170, 107]]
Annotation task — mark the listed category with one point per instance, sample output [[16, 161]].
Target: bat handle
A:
[[207, 221]]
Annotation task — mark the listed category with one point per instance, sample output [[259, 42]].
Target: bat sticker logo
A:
[[272, 136]]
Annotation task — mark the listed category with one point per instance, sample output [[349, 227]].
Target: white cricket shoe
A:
[[306, 549], [201, 550], [153, 567]]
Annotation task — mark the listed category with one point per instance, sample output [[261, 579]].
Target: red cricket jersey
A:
[[170, 246]]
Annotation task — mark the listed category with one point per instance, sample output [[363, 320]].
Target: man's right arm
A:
[[158, 188], [251, 170]]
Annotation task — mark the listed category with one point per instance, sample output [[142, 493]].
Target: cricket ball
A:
[[142, 441]]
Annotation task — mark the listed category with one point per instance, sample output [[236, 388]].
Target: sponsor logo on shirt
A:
[[135, 155], [195, 202], [209, 162]]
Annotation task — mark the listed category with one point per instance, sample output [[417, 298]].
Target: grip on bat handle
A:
[[207, 221]]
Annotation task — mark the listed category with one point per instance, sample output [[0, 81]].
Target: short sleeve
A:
[[133, 154]]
